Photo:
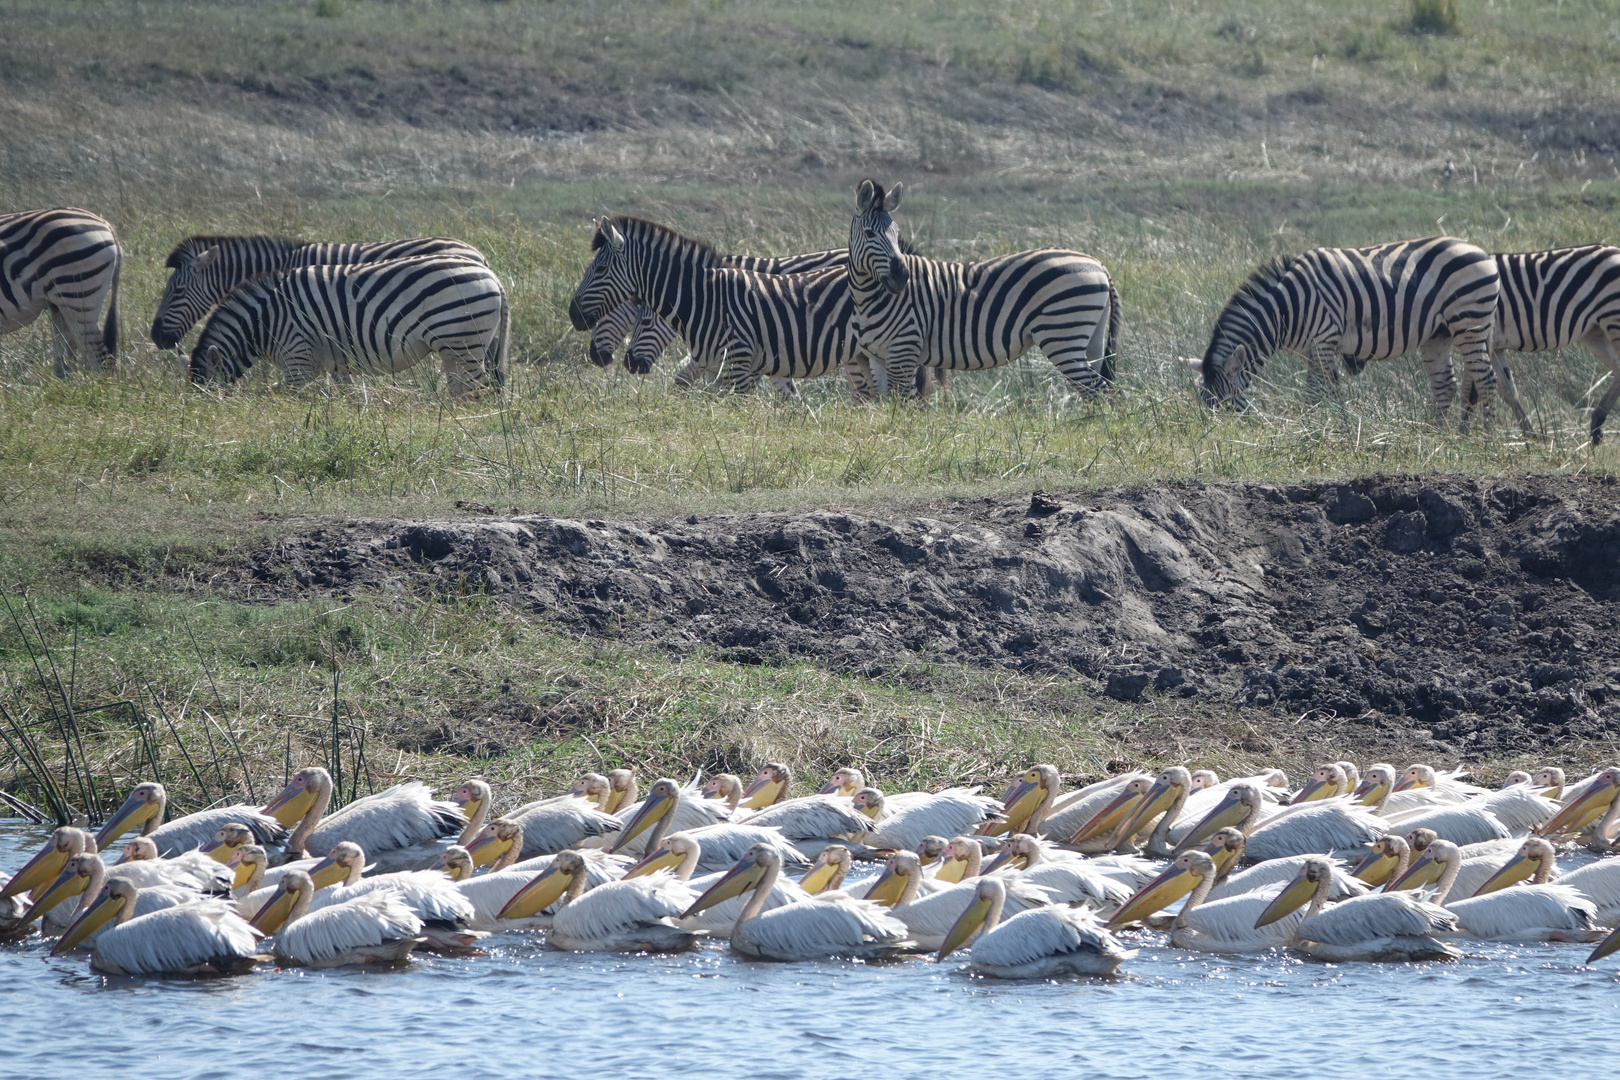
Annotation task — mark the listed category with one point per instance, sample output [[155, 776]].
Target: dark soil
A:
[[1482, 615]]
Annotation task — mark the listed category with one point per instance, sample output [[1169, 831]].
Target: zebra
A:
[[971, 316], [1550, 299], [383, 316], [65, 261], [1364, 304], [793, 326], [206, 268]]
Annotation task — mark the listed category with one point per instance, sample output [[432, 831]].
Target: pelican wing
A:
[[929, 918], [1041, 933], [823, 926], [1460, 824], [1078, 807], [1525, 913], [192, 871], [360, 922], [815, 816], [1315, 829], [949, 813], [1228, 924], [1599, 882], [489, 893], [1519, 808], [1277, 872], [403, 816], [621, 906], [721, 846], [558, 824], [722, 918], [1073, 882], [1375, 917], [176, 939], [434, 897], [194, 830]]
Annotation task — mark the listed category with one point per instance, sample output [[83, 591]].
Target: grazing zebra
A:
[[1364, 304], [1550, 299], [794, 326], [65, 261], [971, 316], [367, 318], [206, 268]]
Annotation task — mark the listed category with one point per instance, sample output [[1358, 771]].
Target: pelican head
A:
[[1515, 778], [547, 887], [846, 781], [117, 896], [1018, 853], [724, 786], [1550, 777], [902, 869], [228, 840], [1038, 785], [1591, 805], [278, 910], [299, 795], [592, 786], [1179, 879], [1378, 782], [1104, 821], [1236, 810], [1226, 847], [1168, 787], [75, 878], [678, 852], [869, 801], [456, 863], [828, 871], [963, 857], [1204, 778], [749, 871], [343, 863], [140, 849], [1297, 893], [64, 843], [494, 840], [1379, 863], [1536, 858], [1416, 776], [769, 787], [621, 790], [471, 797], [932, 848], [144, 807], [1328, 781], [988, 897], [248, 863], [1352, 777], [1418, 840], [1278, 779], [1427, 869], [660, 801]]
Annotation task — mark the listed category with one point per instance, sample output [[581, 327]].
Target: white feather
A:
[[175, 940], [949, 813], [351, 931], [813, 817], [1599, 882], [1524, 913], [1314, 828], [1048, 941], [1275, 872], [634, 913], [1468, 824], [829, 924], [406, 815]]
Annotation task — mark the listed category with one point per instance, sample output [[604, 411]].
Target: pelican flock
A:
[[1373, 864]]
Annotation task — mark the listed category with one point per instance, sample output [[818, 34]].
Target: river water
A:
[[524, 1011]]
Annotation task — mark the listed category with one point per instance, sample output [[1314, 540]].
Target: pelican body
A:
[[1040, 943]]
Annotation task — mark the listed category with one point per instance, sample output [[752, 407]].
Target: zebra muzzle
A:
[[576, 315]]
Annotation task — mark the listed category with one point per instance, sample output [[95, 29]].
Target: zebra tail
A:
[[503, 334], [109, 332], [1116, 322]]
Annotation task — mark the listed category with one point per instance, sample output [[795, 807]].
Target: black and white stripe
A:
[[1552, 299], [794, 326], [971, 316], [1363, 304], [206, 268], [370, 318], [64, 261]]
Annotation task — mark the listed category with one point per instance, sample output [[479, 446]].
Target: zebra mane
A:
[[188, 249], [641, 226], [1258, 286]]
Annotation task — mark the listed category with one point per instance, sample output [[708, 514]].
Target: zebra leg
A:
[[902, 372], [1504, 386], [1603, 348], [786, 387], [1071, 354], [858, 373], [1436, 353], [1475, 345], [1322, 372], [61, 341]]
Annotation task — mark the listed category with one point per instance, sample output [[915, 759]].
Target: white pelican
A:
[[946, 814], [846, 781], [490, 892], [681, 854], [1306, 829], [44, 867], [813, 817], [962, 858], [1449, 787], [497, 846], [631, 914], [83, 875], [610, 793], [1027, 802], [1089, 818], [147, 804], [475, 798], [1225, 850], [1040, 943], [929, 917], [1217, 926], [1551, 779], [1329, 781], [1377, 790], [1470, 823], [1599, 881], [555, 824], [375, 928], [207, 937], [1204, 778], [1066, 880], [1277, 872], [262, 880], [931, 852], [1389, 858], [1528, 913], [404, 817], [1374, 926], [827, 873], [231, 838], [726, 787], [1515, 778], [1592, 805], [770, 787], [825, 925], [671, 807], [444, 911]]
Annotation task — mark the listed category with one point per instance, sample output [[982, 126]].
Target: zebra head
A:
[[236, 333], [1246, 333], [189, 294], [607, 282], [874, 239]]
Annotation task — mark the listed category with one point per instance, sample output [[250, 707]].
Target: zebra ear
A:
[[864, 196], [206, 259], [615, 238], [892, 203]]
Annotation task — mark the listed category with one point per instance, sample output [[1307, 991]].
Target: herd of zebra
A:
[[884, 314]]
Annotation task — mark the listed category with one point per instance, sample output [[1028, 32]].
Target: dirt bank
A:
[[1477, 614]]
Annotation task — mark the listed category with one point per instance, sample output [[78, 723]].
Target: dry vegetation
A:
[[1181, 142]]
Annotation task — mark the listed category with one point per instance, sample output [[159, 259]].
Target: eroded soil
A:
[[1481, 613]]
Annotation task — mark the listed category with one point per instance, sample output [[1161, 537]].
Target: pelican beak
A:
[[487, 848], [1517, 869], [952, 870], [1316, 789], [1368, 793], [546, 889], [324, 873], [613, 800], [1605, 948], [1375, 867], [1003, 859], [68, 885], [662, 859], [1229, 812], [273, 915], [292, 804], [220, 851], [831, 787], [1108, 817], [40, 869], [738, 880], [887, 889], [1583, 811], [1290, 900], [87, 924], [243, 870], [1161, 892], [1405, 783], [134, 812], [965, 927], [1155, 802], [469, 807], [1020, 803], [653, 808], [1426, 871], [869, 809], [818, 877], [762, 793], [1222, 856]]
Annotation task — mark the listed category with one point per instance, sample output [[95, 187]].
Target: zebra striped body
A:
[[374, 317], [206, 268], [970, 316], [1552, 299], [1364, 304], [794, 326], [67, 262]]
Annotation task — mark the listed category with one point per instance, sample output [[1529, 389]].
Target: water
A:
[[523, 1011]]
